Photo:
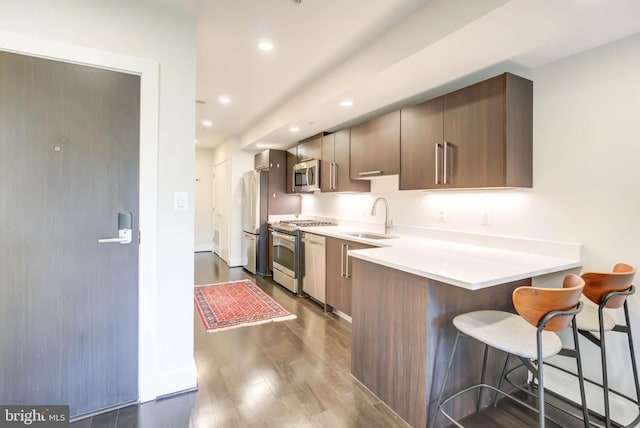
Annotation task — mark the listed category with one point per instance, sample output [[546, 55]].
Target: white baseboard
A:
[[342, 315], [203, 247], [237, 262], [176, 381]]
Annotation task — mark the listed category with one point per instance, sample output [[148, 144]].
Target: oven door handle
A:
[[284, 236]]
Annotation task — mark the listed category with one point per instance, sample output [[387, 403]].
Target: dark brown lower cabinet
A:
[[402, 335], [339, 272]]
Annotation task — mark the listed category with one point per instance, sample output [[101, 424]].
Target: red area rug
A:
[[237, 304]]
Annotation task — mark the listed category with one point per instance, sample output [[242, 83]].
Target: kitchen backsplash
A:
[[479, 211]]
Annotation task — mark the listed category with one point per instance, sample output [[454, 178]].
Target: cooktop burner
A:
[[294, 225]]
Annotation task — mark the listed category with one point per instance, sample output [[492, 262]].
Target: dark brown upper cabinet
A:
[[334, 169], [311, 148], [261, 160], [292, 159], [477, 137], [326, 166], [279, 201], [375, 147]]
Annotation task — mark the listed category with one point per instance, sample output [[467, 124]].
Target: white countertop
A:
[[468, 266]]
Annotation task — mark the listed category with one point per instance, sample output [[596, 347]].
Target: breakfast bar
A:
[[404, 299]]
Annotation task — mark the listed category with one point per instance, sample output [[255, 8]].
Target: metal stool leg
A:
[[605, 377], [540, 380], [436, 409], [502, 376], [482, 378], [583, 396], [632, 351]]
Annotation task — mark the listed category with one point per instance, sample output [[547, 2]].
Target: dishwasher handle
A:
[[347, 270], [311, 239]]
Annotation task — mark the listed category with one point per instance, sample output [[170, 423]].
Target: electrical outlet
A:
[[442, 215], [485, 217]]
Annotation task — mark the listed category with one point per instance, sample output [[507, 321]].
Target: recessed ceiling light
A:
[[207, 123], [265, 45], [294, 129], [346, 103], [195, 141], [261, 145], [224, 99]]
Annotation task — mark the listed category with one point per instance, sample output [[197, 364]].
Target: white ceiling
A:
[[380, 53]]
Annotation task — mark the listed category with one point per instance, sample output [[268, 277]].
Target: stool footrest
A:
[[497, 391], [621, 398], [533, 395]]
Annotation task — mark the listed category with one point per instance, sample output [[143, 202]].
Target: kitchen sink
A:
[[365, 235]]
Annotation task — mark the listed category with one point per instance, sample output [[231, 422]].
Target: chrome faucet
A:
[[388, 223]]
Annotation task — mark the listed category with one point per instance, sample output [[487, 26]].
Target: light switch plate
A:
[[180, 201]]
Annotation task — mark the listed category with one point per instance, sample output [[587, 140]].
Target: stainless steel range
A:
[[287, 253]]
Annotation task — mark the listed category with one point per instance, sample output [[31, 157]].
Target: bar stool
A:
[[529, 336], [608, 291]]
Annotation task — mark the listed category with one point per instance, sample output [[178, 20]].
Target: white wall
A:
[[240, 162], [129, 31], [586, 178], [203, 200]]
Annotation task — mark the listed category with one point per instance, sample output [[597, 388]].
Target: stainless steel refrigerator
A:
[[254, 222]]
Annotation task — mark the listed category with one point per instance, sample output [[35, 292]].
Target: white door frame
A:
[[148, 71], [221, 203], [215, 246]]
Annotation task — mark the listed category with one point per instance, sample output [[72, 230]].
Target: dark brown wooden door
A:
[[375, 147], [69, 163], [421, 130]]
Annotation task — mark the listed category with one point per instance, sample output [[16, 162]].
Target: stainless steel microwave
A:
[[306, 176]]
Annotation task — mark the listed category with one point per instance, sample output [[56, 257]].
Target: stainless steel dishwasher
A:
[[314, 277]]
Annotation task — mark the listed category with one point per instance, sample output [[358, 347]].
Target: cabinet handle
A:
[[331, 176], [444, 160], [436, 157], [346, 258], [335, 176], [342, 260], [370, 173]]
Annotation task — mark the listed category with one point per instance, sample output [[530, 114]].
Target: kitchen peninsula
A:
[[406, 293]]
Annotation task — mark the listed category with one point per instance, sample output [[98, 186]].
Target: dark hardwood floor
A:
[[286, 374]]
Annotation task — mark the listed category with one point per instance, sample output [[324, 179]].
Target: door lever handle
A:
[[124, 238], [124, 230]]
